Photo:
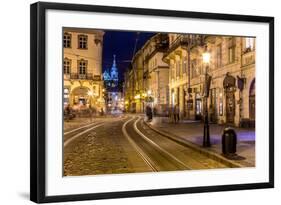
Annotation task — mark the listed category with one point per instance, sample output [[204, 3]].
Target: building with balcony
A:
[[232, 69], [82, 67], [130, 90], [146, 81], [156, 72], [182, 57], [134, 85]]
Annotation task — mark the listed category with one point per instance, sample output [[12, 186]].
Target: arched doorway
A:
[[252, 101], [80, 96], [230, 88]]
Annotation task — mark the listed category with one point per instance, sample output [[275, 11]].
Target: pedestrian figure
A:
[[154, 111], [67, 112], [170, 114], [101, 112], [91, 113], [148, 111], [176, 114], [94, 110]]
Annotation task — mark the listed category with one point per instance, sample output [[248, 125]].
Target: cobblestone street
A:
[[102, 151], [124, 144]]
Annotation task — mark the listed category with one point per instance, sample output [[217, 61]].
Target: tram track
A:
[[141, 153], [79, 132], [163, 154], [70, 135], [155, 156]]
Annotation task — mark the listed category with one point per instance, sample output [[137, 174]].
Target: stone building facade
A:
[[156, 72], [169, 71], [146, 81], [82, 67], [232, 69]]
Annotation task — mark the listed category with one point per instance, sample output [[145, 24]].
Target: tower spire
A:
[[114, 72], [114, 61]]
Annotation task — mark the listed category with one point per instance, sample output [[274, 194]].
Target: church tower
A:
[[114, 72]]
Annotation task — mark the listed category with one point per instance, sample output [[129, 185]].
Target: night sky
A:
[[122, 45]]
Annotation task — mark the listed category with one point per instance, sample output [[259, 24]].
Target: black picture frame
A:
[[38, 100]]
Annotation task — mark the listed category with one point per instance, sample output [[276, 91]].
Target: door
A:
[[198, 107], [252, 101], [230, 106], [213, 105]]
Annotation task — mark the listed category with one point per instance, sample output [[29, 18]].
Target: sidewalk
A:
[[190, 133]]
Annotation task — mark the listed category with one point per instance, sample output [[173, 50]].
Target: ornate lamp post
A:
[[206, 62]]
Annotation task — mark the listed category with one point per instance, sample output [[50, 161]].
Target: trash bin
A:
[[229, 141]]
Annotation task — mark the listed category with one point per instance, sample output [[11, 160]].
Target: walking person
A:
[[101, 112], [67, 112], [154, 111], [148, 111], [176, 114], [170, 113], [91, 113]]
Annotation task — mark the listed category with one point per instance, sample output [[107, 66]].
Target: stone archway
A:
[[252, 100], [79, 95]]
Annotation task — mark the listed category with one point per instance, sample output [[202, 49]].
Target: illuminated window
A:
[[177, 68], [173, 72], [195, 68], [82, 41], [66, 95], [231, 50], [67, 40], [184, 64], [219, 55]]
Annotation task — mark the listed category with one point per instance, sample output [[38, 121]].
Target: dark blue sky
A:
[[122, 45]]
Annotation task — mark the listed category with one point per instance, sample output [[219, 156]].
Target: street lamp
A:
[[137, 97], [206, 61], [206, 57]]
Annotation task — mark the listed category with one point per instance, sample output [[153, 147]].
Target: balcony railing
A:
[[183, 41], [248, 58], [161, 45], [86, 76]]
